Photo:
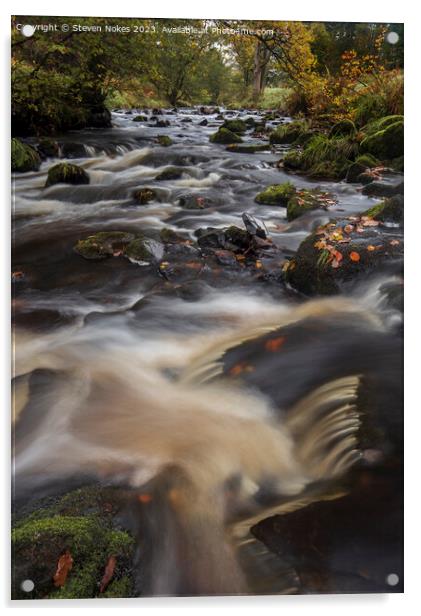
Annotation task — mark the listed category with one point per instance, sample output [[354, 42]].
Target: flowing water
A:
[[127, 377]]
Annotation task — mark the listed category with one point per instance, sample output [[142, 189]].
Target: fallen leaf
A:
[[108, 573], [258, 264], [239, 368], [348, 228], [17, 275], [370, 223], [64, 565], [394, 242], [274, 344], [144, 498], [354, 256], [370, 248]]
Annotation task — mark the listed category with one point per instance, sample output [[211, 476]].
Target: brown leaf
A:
[[370, 248], [348, 228], [394, 242], [64, 565], [274, 344], [108, 573], [239, 368], [354, 256]]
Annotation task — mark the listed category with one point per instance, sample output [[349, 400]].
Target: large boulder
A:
[[24, 157], [66, 173], [235, 126], [386, 143], [338, 253], [134, 247], [288, 133], [388, 210]]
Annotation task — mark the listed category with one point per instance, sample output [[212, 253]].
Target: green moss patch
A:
[[164, 140], [66, 173], [24, 157], [387, 143], [303, 201], [235, 126], [288, 133], [225, 136], [388, 210], [276, 194]]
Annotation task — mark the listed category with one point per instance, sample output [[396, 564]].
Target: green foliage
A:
[[321, 148], [343, 128], [23, 157]]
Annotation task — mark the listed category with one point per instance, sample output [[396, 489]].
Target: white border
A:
[[306, 10]]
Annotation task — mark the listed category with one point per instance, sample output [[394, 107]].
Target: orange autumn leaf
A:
[[274, 344], [239, 368], [370, 248], [64, 565], [354, 256], [144, 498], [108, 573]]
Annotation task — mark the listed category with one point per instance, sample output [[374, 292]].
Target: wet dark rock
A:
[[185, 120], [48, 148], [383, 189], [24, 157], [171, 173], [253, 226], [354, 172], [145, 195], [70, 149], [140, 118], [225, 136], [107, 244], [194, 202], [231, 238], [162, 123], [303, 201], [66, 173], [386, 143], [247, 148], [339, 252], [204, 122], [168, 236], [388, 210], [98, 117]]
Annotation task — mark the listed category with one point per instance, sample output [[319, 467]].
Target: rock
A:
[[145, 195], [73, 150], [104, 244], [164, 140], [24, 157], [386, 143], [84, 524], [247, 148], [235, 126], [388, 210], [231, 238], [140, 118], [184, 120], [143, 251], [367, 160], [171, 173], [288, 133], [225, 136], [251, 122], [48, 148], [276, 194], [359, 171], [168, 236], [253, 226], [383, 189], [204, 122], [162, 123], [98, 117], [194, 202], [354, 172], [303, 201], [66, 173], [343, 128], [337, 253], [292, 160]]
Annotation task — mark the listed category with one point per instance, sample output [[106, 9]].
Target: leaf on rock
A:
[[354, 256], [108, 573], [64, 565], [274, 344]]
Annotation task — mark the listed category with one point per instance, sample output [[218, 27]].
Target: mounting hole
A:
[[27, 586], [392, 579], [392, 37], [28, 30]]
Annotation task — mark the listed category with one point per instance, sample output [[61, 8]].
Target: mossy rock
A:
[[193, 201], [48, 148], [140, 118], [367, 160], [276, 194], [397, 164], [139, 250], [231, 238], [164, 140], [251, 122], [383, 189], [103, 244], [389, 210], [338, 253], [171, 173], [288, 133], [329, 170], [66, 173], [387, 143], [168, 236], [225, 136], [293, 160], [303, 201], [354, 172], [145, 195], [247, 148], [81, 523], [24, 157], [343, 128], [235, 126]]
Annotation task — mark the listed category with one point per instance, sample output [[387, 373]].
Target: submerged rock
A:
[[388, 210], [194, 202], [66, 173], [171, 173], [247, 148], [225, 136], [145, 195], [24, 157], [339, 252], [140, 118]]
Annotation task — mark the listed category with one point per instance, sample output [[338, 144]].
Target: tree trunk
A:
[[261, 59]]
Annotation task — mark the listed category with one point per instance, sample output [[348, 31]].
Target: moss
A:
[[168, 236], [140, 118], [40, 538], [24, 157], [388, 210], [305, 201], [329, 169], [137, 250], [144, 195], [292, 160], [247, 148], [103, 244], [321, 148], [164, 140], [225, 136], [367, 160], [343, 128], [235, 126], [66, 173], [48, 148], [276, 194], [171, 173], [387, 143], [288, 133]]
